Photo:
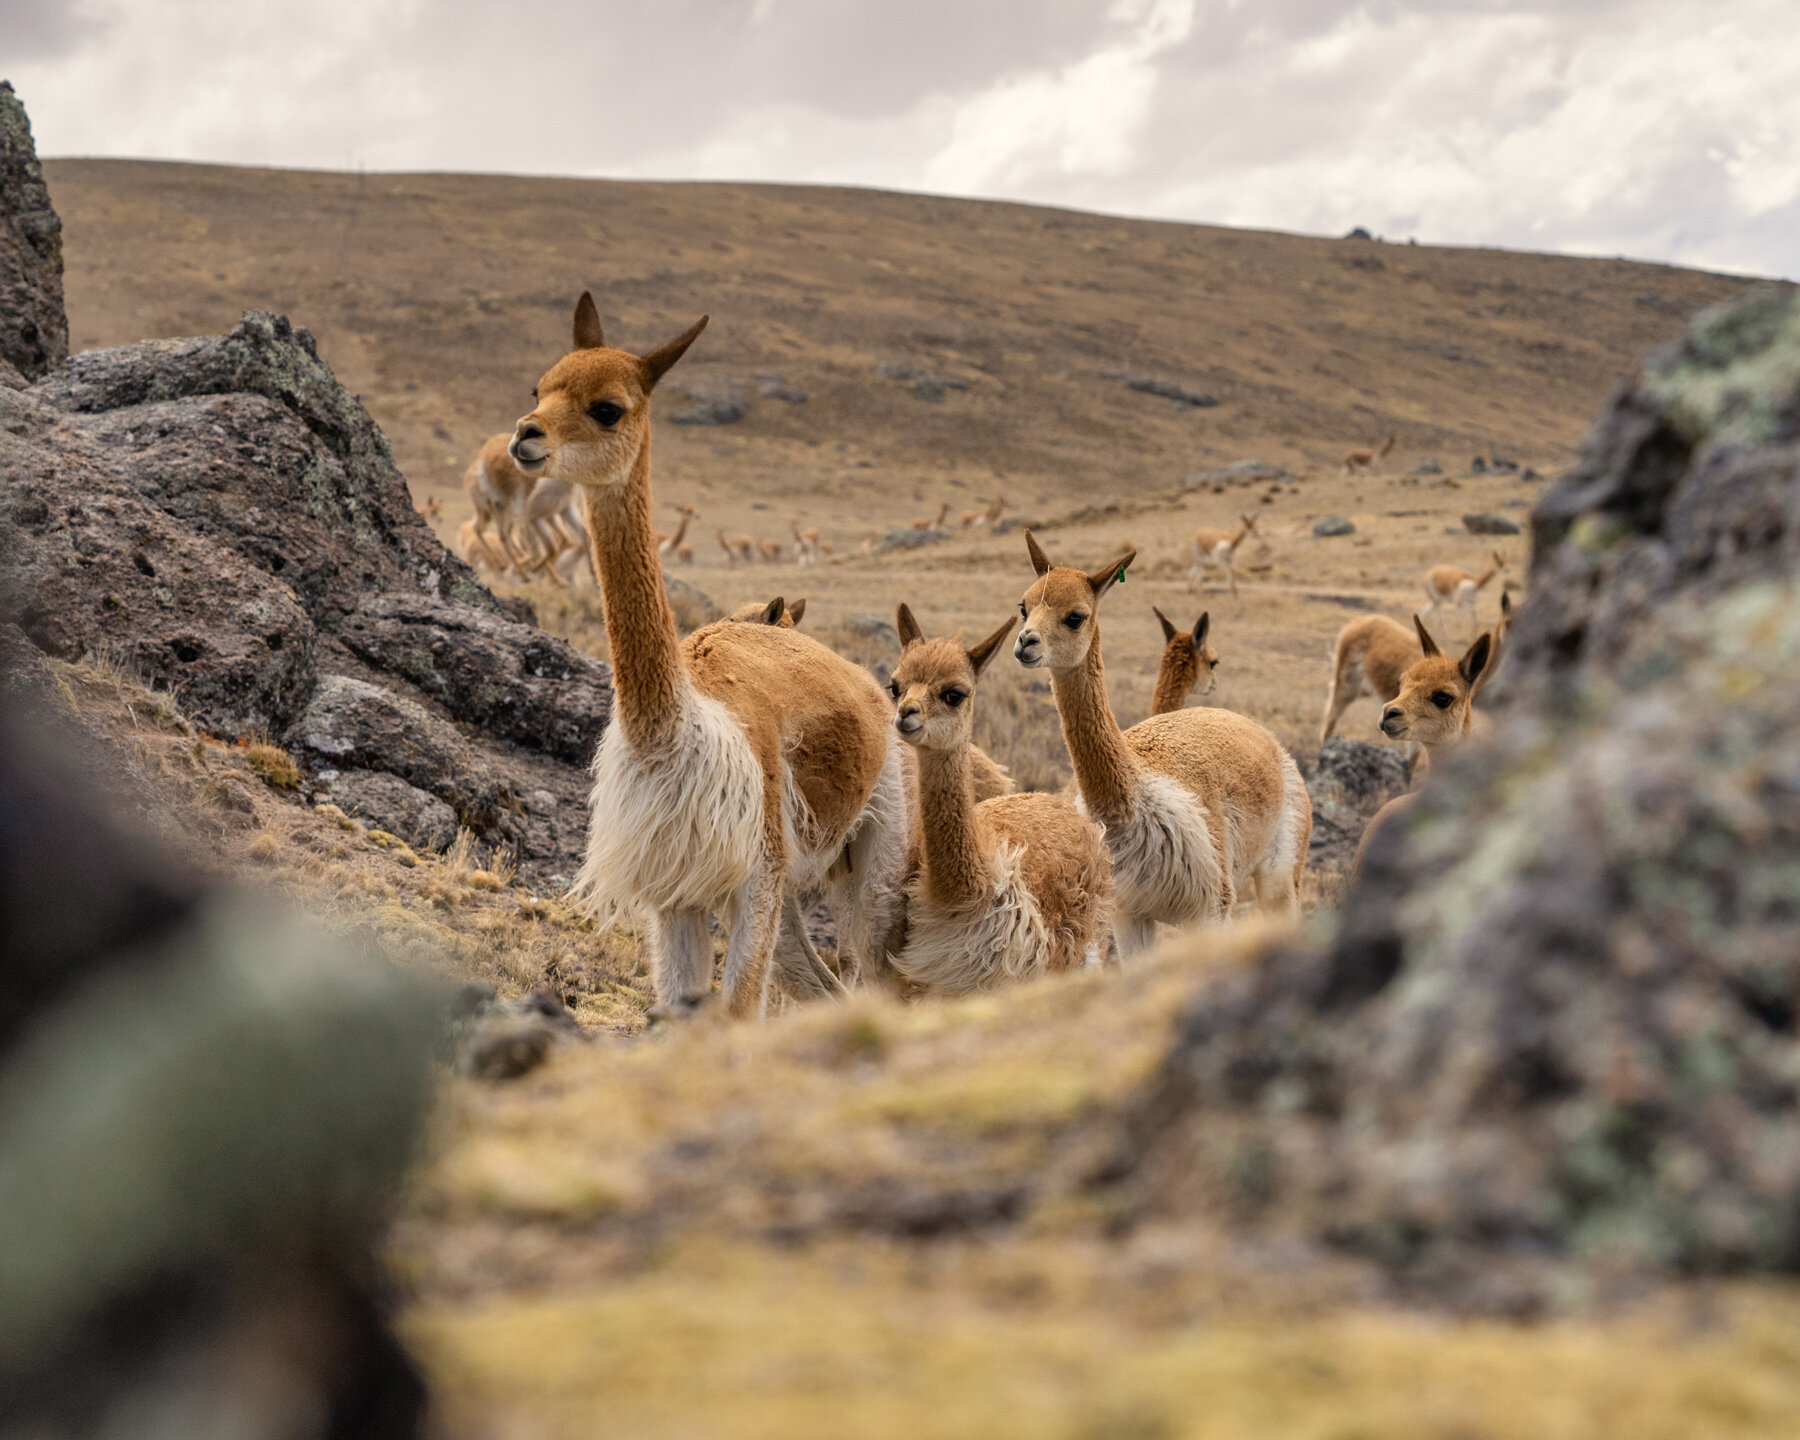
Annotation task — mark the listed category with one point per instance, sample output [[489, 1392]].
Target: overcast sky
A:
[[1662, 129]]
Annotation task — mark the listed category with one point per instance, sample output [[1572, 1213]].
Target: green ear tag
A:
[[1120, 580]]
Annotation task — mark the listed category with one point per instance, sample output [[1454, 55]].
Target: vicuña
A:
[[743, 765], [1198, 805]]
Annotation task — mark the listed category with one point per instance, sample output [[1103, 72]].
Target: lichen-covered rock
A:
[[1560, 1016], [89, 567], [389, 803], [352, 723], [250, 437], [510, 680], [34, 329]]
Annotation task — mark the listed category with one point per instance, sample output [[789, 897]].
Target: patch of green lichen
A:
[[1736, 371]]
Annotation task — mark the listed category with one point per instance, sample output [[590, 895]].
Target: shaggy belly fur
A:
[[1165, 863], [678, 829], [999, 936]]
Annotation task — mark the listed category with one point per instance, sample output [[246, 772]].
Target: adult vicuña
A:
[[1218, 547], [806, 544], [1007, 888], [929, 522], [1447, 585], [1358, 460], [744, 764], [1187, 656], [497, 489], [1436, 709], [738, 547], [1197, 804], [1371, 655], [976, 519]]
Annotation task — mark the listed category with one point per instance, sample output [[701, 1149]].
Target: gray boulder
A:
[[389, 803], [1328, 526], [1488, 523], [510, 680], [34, 330], [92, 568]]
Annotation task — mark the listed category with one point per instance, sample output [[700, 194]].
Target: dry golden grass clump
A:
[[273, 764]]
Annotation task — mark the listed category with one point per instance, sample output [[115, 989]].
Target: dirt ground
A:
[[804, 1228]]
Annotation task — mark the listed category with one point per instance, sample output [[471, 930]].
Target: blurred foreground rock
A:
[[1557, 1021], [205, 1108]]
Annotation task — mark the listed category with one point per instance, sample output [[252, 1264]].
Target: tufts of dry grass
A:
[[273, 765]]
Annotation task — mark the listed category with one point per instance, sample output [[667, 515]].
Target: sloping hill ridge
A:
[[440, 298]]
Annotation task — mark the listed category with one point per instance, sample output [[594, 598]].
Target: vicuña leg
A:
[[800, 972], [683, 956], [756, 923]]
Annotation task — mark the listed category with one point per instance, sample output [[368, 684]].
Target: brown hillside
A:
[[441, 298]]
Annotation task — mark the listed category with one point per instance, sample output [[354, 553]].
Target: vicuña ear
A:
[[1430, 646], [587, 324], [910, 633], [772, 611], [1201, 626], [1169, 630], [798, 609], [985, 651], [662, 359], [1104, 579], [1040, 562], [1476, 660]]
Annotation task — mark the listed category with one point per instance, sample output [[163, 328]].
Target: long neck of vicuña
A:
[[650, 683], [1171, 691], [956, 866], [1105, 768]]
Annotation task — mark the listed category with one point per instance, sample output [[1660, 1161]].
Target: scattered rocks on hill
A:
[[926, 385], [1177, 395], [1327, 526], [912, 537], [34, 331], [1488, 523], [775, 387], [1428, 466], [1239, 472], [1558, 1018], [725, 407], [220, 516]]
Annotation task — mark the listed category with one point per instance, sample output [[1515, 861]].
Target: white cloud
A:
[[1667, 129]]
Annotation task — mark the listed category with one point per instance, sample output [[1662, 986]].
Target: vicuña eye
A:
[[1443, 699], [534, 394], [1023, 613], [953, 698], [605, 414], [1074, 621], [894, 688]]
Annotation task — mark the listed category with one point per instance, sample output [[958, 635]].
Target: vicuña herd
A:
[[749, 766]]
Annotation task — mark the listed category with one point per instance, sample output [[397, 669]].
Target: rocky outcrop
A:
[[220, 516], [90, 567], [1559, 1021], [34, 329]]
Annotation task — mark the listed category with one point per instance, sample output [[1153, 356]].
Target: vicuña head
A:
[[934, 682], [1188, 659], [1434, 706], [1058, 610], [591, 423]]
